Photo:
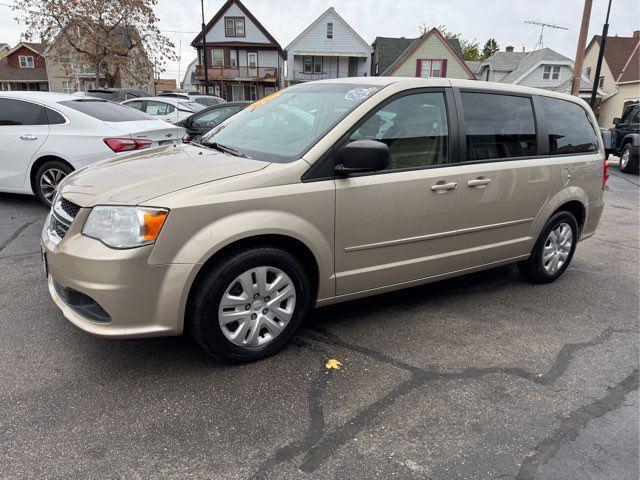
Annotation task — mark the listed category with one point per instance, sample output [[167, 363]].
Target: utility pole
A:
[[603, 41], [582, 43], [204, 50]]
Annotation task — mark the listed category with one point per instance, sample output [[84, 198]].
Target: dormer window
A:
[[234, 26], [330, 30], [26, 61], [551, 72]]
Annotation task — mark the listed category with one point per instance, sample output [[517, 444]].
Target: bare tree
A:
[[111, 36]]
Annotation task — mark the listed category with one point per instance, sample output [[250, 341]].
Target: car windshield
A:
[[191, 106], [283, 126]]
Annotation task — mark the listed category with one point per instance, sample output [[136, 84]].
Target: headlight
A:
[[125, 227]]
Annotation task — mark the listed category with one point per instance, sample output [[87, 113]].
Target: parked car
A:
[[117, 95], [206, 100], [45, 136], [324, 192], [201, 122], [169, 109], [623, 139]]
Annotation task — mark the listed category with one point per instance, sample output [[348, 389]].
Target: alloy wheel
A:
[[557, 248], [49, 181], [257, 306], [624, 159]]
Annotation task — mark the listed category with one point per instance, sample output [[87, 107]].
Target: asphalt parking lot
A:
[[484, 376]]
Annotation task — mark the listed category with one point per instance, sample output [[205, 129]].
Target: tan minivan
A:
[[323, 192]]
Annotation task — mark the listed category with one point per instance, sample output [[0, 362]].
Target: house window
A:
[[252, 92], [26, 61], [252, 59], [307, 64], [551, 72], [601, 82], [234, 26], [330, 30], [233, 58], [588, 72], [64, 56], [66, 87], [217, 57], [237, 93], [431, 68], [317, 64]]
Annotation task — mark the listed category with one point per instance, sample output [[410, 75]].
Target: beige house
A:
[[67, 73], [619, 75], [430, 55]]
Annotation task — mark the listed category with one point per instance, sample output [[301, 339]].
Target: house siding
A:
[[613, 105], [591, 60], [534, 79], [253, 34], [432, 48]]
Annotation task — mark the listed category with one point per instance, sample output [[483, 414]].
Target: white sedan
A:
[[44, 136], [169, 109]]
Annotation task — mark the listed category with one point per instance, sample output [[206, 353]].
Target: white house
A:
[[544, 68], [328, 48]]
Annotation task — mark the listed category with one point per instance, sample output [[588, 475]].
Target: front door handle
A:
[[442, 187], [479, 182], [28, 137]]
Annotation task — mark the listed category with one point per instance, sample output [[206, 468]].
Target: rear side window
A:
[[53, 117], [159, 108], [18, 112], [570, 130], [105, 111], [498, 126]]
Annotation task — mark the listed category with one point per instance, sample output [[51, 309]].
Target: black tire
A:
[[533, 268], [202, 313], [52, 166], [633, 164]]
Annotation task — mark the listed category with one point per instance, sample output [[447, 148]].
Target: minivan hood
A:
[[142, 176]]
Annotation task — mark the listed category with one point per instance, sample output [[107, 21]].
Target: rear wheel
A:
[[629, 161], [249, 306], [48, 177], [553, 251]]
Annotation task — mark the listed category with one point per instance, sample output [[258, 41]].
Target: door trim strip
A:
[[431, 236]]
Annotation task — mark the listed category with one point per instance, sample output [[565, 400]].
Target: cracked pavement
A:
[[484, 376]]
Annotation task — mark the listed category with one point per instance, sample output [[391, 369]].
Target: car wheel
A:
[[629, 162], [248, 306], [553, 251], [48, 177]]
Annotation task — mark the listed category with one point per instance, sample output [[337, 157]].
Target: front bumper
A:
[[140, 300]]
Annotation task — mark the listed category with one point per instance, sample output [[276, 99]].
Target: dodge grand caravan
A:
[[321, 193]]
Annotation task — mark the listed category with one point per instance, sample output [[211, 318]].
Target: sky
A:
[[475, 20]]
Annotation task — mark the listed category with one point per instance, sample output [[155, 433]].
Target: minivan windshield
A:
[[282, 126]]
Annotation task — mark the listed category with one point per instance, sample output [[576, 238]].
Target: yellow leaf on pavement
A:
[[333, 363]]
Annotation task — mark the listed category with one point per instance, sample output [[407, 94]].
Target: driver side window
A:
[[414, 127]]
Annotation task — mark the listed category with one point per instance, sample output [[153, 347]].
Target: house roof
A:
[[329, 10], [473, 65], [388, 50], [586, 85], [531, 59], [220, 13], [631, 71], [617, 53], [38, 48], [504, 61], [417, 43]]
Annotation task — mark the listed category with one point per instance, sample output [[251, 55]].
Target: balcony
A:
[[255, 74]]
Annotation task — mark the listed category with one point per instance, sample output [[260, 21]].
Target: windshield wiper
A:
[[224, 148]]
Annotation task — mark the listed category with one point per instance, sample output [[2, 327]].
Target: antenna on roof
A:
[[542, 25]]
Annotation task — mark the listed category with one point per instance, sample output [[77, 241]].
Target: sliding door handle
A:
[[442, 187], [479, 182]]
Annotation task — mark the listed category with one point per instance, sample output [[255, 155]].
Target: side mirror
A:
[[362, 156], [616, 120]]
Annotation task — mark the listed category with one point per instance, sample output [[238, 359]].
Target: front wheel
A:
[[629, 161], [249, 306], [553, 251], [48, 177]]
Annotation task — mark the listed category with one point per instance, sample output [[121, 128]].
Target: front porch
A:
[[307, 67]]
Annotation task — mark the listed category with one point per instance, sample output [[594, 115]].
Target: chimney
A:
[[636, 34], [509, 49]]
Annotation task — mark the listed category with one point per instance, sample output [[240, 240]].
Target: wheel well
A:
[[576, 209], [38, 163], [290, 244]]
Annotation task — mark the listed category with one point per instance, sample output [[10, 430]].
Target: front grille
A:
[[82, 304], [63, 212]]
